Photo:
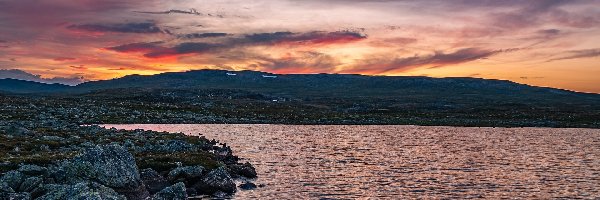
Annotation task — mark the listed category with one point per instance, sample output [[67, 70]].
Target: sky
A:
[[551, 43]]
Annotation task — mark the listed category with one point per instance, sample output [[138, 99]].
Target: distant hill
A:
[[318, 85], [337, 85], [21, 86]]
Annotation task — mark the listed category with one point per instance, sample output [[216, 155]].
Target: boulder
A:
[[153, 180], [175, 192], [13, 179], [248, 186], [15, 196], [245, 170], [32, 170], [216, 180], [188, 174], [110, 165], [30, 184], [4, 188], [83, 190]]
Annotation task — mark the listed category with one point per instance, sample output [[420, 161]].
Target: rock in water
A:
[[175, 192], [217, 180], [154, 182], [248, 186], [112, 166], [84, 190], [245, 170], [13, 179]]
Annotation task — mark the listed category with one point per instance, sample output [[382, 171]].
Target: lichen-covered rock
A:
[[30, 184], [110, 165], [32, 170], [153, 180], [188, 173], [13, 179], [175, 192], [83, 190], [217, 180], [15, 196]]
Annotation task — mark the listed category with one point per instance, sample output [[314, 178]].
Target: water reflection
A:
[[396, 162]]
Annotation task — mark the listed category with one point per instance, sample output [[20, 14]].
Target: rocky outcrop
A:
[[80, 162]]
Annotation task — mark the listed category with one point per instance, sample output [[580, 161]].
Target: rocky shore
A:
[[61, 160]]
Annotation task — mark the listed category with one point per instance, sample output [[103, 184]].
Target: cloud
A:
[[314, 37], [23, 75], [202, 35], [585, 53], [143, 47], [438, 59], [3, 41], [143, 27], [153, 50], [60, 59], [192, 11]]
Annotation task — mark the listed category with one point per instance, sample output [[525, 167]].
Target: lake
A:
[[398, 162]]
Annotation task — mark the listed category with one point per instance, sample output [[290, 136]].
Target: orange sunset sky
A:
[[552, 43]]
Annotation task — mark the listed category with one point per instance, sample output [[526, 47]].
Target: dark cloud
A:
[[192, 11], [315, 37], [202, 35], [3, 41], [143, 27], [143, 47], [438, 59], [60, 59], [154, 50], [585, 53], [23, 75]]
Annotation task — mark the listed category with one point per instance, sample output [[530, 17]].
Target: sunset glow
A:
[[539, 42]]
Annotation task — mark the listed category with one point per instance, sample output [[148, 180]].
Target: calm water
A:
[[397, 162]]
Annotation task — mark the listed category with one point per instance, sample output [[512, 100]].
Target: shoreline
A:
[[46, 161]]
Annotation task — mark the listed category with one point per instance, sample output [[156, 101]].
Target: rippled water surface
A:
[[396, 162]]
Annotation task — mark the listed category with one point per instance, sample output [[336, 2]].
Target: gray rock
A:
[[52, 138], [84, 190], [15, 196], [245, 170], [110, 165], [154, 182], [30, 184], [175, 192], [13, 179], [186, 173], [32, 170], [219, 180], [4, 188], [248, 186]]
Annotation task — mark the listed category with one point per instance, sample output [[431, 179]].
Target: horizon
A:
[[546, 43]]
